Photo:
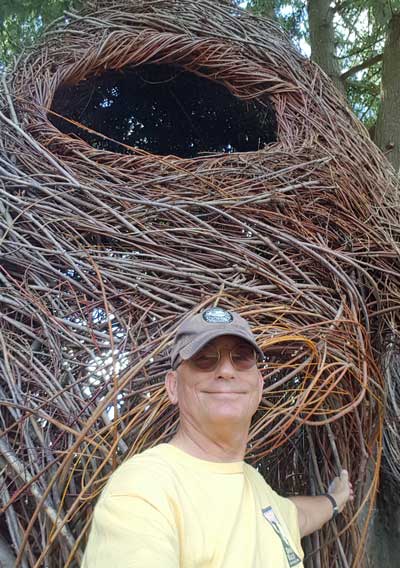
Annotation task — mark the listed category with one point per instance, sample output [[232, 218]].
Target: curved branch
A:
[[364, 65]]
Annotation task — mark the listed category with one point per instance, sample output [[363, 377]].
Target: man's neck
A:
[[221, 447]]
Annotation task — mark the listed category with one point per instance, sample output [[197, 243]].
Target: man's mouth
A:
[[224, 392]]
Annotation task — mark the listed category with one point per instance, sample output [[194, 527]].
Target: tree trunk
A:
[[269, 9], [265, 8], [7, 558], [384, 543], [387, 131], [322, 39]]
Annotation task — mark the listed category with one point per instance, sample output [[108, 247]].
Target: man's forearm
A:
[[313, 512]]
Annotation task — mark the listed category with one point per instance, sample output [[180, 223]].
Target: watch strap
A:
[[334, 504]]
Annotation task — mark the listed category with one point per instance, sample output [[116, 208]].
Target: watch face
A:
[[217, 315]]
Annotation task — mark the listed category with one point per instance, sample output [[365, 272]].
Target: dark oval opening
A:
[[162, 109]]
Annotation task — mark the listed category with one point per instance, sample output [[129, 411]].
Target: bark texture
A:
[[387, 132], [384, 543], [7, 558], [322, 39]]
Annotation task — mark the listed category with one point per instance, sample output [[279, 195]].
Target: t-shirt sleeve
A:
[[132, 528]]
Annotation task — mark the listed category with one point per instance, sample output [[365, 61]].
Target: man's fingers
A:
[[344, 478]]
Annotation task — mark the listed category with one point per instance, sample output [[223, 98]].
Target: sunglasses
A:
[[243, 357]]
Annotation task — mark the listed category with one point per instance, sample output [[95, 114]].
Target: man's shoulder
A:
[[285, 505], [255, 476], [258, 480], [151, 457], [141, 473]]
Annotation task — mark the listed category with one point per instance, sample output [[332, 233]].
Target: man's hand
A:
[[313, 512], [341, 489]]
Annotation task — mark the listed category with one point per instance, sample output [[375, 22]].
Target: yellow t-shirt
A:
[[166, 509]]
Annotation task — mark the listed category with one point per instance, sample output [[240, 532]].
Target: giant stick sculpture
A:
[[109, 240]]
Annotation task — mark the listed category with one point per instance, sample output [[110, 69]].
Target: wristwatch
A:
[[334, 504]]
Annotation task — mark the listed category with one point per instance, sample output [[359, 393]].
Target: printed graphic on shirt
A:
[[291, 556]]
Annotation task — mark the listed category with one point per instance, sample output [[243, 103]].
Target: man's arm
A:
[[314, 512]]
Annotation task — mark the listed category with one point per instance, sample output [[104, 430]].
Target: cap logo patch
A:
[[217, 315]]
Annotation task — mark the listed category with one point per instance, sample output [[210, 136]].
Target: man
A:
[[194, 502]]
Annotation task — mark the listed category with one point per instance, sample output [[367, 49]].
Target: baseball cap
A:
[[198, 330]]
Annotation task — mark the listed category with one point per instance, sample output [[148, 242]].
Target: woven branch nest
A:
[[104, 254]]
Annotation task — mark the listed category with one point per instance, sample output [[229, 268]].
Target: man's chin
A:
[[225, 416]]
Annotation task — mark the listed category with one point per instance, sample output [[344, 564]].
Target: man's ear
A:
[[171, 386]]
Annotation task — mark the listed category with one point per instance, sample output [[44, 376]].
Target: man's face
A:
[[217, 397]]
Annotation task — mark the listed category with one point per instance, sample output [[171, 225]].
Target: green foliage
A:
[[291, 15], [22, 21], [363, 99], [360, 27], [359, 42]]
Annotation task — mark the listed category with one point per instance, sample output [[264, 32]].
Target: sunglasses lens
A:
[[206, 360], [243, 357]]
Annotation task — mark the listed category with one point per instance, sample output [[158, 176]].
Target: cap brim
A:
[[192, 348]]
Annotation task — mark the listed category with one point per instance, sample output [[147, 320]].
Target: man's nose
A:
[[225, 369]]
